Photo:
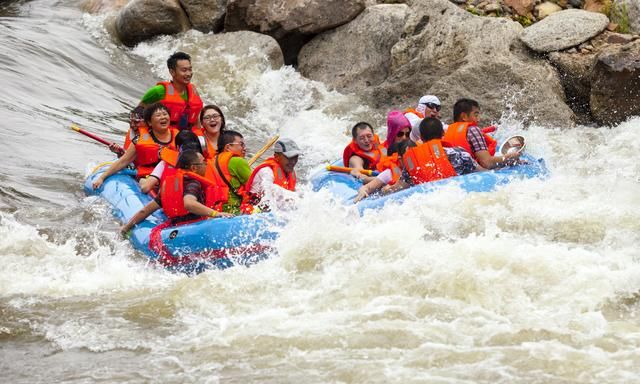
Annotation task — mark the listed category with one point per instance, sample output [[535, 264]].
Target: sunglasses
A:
[[432, 106], [403, 134]]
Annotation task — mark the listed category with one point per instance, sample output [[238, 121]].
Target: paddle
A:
[[117, 149], [337, 168], [263, 149]]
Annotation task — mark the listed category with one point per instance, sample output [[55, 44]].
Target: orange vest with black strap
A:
[[209, 149], [456, 136], [172, 191], [370, 158], [279, 178], [414, 111], [183, 114], [392, 163], [428, 162], [218, 193], [147, 151]]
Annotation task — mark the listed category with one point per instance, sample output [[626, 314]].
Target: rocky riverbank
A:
[[553, 63]]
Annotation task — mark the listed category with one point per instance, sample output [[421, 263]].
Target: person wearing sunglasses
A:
[[428, 106], [398, 129], [464, 132]]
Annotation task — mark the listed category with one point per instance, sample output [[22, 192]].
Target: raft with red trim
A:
[[345, 187], [191, 247]]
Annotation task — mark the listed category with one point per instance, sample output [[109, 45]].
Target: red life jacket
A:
[[370, 158], [428, 162], [218, 173], [279, 178], [147, 150], [456, 136], [391, 163], [209, 149], [172, 191], [178, 106]]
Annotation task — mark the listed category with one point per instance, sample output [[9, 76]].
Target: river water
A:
[[537, 282]]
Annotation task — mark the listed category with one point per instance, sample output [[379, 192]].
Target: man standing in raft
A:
[[464, 132], [179, 95], [364, 151], [276, 174]]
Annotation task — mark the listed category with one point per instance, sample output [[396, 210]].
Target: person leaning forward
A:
[[275, 175], [363, 152]]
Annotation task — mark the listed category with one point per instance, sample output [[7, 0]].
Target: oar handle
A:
[[99, 139], [263, 149], [338, 168]]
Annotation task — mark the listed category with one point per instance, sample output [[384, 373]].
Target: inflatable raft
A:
[[192, 247], [345, 187]]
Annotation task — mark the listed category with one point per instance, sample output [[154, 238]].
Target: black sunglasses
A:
[[432, 106], [405, 134]]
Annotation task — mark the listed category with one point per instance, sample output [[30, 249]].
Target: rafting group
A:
[[195, 167]]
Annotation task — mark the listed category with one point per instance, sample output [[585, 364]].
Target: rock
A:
[[205, 15], [521, 7], [257, 51], [545, 9], [141, 20], [358, 54], [599, 6], [563, 30], [615, 83], [448, 52], [626, 12], [493, 7], [291, 22]]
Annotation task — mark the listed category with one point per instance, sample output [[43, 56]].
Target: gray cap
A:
[[287, 147]]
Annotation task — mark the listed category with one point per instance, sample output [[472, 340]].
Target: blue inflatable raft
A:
[[192, 247], [345, 187]]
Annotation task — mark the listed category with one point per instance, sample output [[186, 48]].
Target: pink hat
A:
[[395, 122]]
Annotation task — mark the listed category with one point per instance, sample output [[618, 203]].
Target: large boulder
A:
[[576, 67], [205, 15], [291, 22], [615, 84], [563, 30], [358, 54], [451, 53], [141, 20]]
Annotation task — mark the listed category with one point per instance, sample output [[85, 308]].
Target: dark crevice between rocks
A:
[[420, 26], [291, 44]]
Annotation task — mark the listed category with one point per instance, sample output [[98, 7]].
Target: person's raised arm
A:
[[121, 163]]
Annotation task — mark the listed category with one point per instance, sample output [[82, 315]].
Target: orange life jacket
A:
[[209, 149], [279, 177], [370, 158], [428, 162], [147, 150], [169, 155], [456, 136], [218, 172], [392, 163], [414, 111], [172, 191], [182, 112]]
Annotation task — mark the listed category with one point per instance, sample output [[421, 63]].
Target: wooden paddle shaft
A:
[[263, 149]]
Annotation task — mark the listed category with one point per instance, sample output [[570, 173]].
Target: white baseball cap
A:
[[287, 147], [429, 99]]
